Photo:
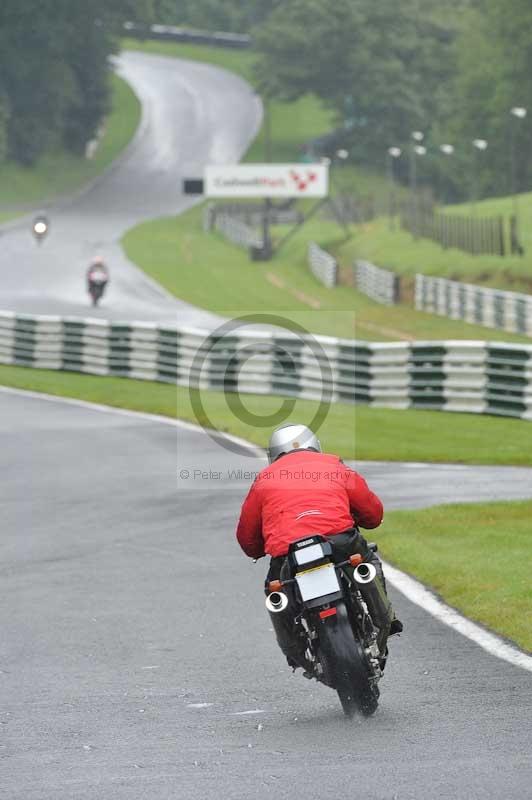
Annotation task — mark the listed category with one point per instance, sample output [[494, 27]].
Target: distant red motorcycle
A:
[[97, 280]]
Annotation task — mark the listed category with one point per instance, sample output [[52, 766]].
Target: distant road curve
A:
[[192, 114]]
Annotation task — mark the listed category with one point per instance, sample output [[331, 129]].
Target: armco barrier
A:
[[188, 35], [479, 377], [322, 265], [493, 308], [237, 231], [381, 285]]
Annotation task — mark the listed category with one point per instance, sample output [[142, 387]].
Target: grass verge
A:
[[398, 250], [209, 272], [352, 431], [456, 549], [59, 173]]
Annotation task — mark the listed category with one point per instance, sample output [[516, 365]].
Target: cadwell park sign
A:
[[261, 180], [266, 180]]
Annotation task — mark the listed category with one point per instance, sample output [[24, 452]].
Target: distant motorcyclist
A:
[[97, 279], [40, 227], [301, 493]]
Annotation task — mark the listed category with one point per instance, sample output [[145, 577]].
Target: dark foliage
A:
[[54, 68]]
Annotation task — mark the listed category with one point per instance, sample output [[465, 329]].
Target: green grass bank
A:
[[475, 556], [399, 251], [354, 432], [207, 271]]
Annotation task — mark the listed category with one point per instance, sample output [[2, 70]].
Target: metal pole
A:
[[474, 189], [391, 191], [416, 137], [413, 188], [512, 168], [266, 235]]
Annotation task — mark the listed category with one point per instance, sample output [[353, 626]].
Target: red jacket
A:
[[300, 494]]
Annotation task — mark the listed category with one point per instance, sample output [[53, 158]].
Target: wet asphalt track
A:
[[137, 659], [136, 656], [193, 114]]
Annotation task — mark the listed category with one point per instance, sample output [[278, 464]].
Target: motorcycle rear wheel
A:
[[345, 665]]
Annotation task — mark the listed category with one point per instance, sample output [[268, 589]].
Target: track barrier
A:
[[467, 376], [382, 285], [322, 265]]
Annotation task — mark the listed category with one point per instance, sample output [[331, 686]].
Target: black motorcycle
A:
[[331, 608]]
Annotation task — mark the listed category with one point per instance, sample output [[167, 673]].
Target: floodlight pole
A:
[[266, 235], [517, 113], [392, 154]]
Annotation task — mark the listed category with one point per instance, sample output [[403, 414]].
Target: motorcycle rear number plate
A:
[[308, 554], [318, 582]]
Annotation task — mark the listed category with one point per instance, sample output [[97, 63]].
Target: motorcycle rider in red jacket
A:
[[301, 493]]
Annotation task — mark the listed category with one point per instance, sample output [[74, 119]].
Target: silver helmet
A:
[[290, 437]]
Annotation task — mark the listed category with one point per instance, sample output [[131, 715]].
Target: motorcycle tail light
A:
[[275, 586], [356, 559], [327, 612]]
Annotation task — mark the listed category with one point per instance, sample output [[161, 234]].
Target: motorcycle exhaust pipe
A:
[[373, 594], [276, 602]]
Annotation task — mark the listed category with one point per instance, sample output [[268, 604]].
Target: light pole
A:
[[447, 150], [266, 233], [391, 155], [480, 146], [416, 148], [518, 112], [417, 137], [342, 196]]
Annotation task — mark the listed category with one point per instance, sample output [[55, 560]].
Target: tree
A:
[[494, 68], [380, 66], [54, 69], [4, 117]]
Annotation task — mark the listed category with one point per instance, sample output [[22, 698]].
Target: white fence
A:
[[237, 231], [322, 265], [479, 377], [188, 35], [493, 308], [381, 285]]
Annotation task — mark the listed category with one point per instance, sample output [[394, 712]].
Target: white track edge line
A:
[[412, 589], [417, 593]]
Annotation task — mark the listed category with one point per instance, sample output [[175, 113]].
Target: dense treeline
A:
[[54, 71], [452, 70]]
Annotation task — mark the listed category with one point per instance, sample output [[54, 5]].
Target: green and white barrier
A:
[[509, 311], [477, 377]]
